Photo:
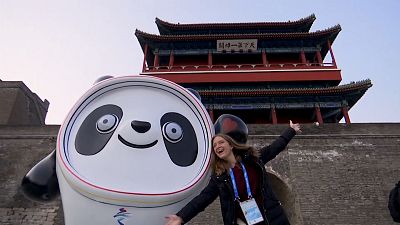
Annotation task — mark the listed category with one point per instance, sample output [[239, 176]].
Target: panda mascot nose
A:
[[140, 126]]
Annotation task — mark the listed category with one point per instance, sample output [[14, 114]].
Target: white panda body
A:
[[132, 150]]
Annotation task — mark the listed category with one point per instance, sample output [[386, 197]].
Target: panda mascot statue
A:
[[131, 150]]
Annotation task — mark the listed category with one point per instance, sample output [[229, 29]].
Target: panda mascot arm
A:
[[40, 183]]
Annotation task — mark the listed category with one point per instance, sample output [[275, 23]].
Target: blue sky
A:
[[59, 48]]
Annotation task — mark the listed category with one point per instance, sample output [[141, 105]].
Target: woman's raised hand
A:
[[173, 220], [295, 126]]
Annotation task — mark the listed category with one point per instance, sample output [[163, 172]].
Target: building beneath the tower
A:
[[263, 72]]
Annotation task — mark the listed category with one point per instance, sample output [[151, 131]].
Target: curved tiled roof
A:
[[341, 89], [304, 24], [211, 37]]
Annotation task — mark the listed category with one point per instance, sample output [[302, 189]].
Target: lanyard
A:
[[246, 177]]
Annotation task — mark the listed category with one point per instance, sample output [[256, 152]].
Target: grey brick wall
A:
[[330, 174], [20, 106]]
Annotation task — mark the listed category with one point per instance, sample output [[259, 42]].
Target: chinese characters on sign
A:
[[237, 45]]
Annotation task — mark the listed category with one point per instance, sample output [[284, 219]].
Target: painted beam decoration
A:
[[131, 151], [237, 45]]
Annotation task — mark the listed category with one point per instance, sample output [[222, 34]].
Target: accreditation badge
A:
[[251, 211]]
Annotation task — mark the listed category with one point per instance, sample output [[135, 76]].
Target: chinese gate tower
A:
[[263, 72]]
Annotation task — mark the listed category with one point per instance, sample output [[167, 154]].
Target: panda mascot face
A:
[[132, 150]]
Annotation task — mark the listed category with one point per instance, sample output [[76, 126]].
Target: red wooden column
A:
[[146, 47], [156, 60], [331, 52], [211, 113], [209, 59], [345, 111], [319, 57], [303, 57], [273, 115], [171, 60], [318, 113], [264, 57]]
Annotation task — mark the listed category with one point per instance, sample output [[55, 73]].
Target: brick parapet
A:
[[330, 174], [21, 106], [31, 95]]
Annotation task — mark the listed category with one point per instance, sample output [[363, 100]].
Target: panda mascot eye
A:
[[97, 129], [107, 123], [179, 138], [172, 132]]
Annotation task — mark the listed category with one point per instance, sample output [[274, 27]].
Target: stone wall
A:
[[20, 106], [330, 174], [20, 149], [340, 174]]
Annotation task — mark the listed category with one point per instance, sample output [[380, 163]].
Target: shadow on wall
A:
[[287, 197]]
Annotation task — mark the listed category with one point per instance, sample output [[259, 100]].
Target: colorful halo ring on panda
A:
[[136, 141]]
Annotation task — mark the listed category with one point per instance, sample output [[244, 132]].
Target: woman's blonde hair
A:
[[219, 165]]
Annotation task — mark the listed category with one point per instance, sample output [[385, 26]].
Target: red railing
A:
[[276, 66]]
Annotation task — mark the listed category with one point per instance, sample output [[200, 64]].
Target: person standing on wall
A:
[[394, 202], [239, 178]]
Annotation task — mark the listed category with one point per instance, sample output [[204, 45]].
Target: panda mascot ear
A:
[[102, 78], [232, 126], [195, 93], [40, 183]]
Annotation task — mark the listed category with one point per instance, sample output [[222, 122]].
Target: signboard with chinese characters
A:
[[237, 45]]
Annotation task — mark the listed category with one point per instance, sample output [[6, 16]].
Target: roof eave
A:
[[166, 28]]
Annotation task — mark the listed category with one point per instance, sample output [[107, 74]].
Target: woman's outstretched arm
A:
[[195, 206], [173, 220], [271, 151]]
